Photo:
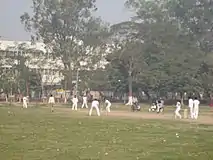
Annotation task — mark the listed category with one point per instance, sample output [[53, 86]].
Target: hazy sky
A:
[[10, 10]]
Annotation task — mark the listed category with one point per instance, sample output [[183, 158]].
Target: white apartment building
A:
[[37, 60]]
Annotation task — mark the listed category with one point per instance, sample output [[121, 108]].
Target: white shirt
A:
[[178, 105], [24, 99], [159, 105], [191, 102], [107, 102], [51, 100], [196, 103], [85, 99], [75, 100], [95, 103]]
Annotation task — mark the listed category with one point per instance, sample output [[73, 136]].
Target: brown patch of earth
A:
[[207, 119]]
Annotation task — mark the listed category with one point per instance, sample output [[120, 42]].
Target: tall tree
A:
[[127, 57], [170, 57], [196, 18], [69, 30]]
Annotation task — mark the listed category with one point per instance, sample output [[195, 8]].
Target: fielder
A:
[[95, 104], [196, 108], [191, 104], [75, 103], [177, 111], [108, 103], [51, 101], [130, 102], [25, 100], [159, 106], [84, 102]]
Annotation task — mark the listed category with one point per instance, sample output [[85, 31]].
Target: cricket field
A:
[[37, 134]]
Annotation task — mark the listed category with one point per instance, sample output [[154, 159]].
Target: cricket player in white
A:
[[75, 103], [159, 106], [51, 101], [25, 100], [84, 102], [196, 108], [177, 111], [95, 104], [108, 103], [130, 102], [191, 104]]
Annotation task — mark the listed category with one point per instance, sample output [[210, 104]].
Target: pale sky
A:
[[112, 11]]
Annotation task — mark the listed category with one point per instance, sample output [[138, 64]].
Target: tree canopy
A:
[[69, 31], [174, 46], [165, 48]]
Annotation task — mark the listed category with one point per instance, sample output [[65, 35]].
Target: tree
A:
[[196, 18], [167, 58], [16, 65], [205, 76], [117, 76], [69, 31], [9, 73], [127, 59]]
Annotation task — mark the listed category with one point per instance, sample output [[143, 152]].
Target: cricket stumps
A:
[[185, 113]]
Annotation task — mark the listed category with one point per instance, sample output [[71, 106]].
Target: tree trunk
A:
[[11, 90], [27, 88], [182, 96], [68, 76], [19, 95], [77, 77], [147, 94], [42, 90], [130, 85], [130, 88]]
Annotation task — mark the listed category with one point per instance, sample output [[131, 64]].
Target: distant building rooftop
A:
[[16, 45]]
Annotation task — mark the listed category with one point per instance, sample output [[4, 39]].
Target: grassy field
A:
[[37, 134]]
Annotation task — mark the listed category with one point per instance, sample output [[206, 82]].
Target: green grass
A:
[[36, 134]]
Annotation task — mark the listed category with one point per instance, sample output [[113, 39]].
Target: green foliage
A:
[[69, 31], [167, 47], [167, 50], [15, 76]]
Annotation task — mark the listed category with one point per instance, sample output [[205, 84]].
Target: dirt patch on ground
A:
[[203, 119]]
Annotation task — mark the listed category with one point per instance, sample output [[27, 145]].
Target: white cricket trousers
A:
[[191, 112], [130, 100], [108, 108], [158, 109], [97, 110], [52, 107], [74, 106], [24, 104], [196, 112], [84, 104], [177, 113]]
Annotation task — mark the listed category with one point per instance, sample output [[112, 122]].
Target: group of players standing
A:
[[158, 106], [95, 104], [193, 105]]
